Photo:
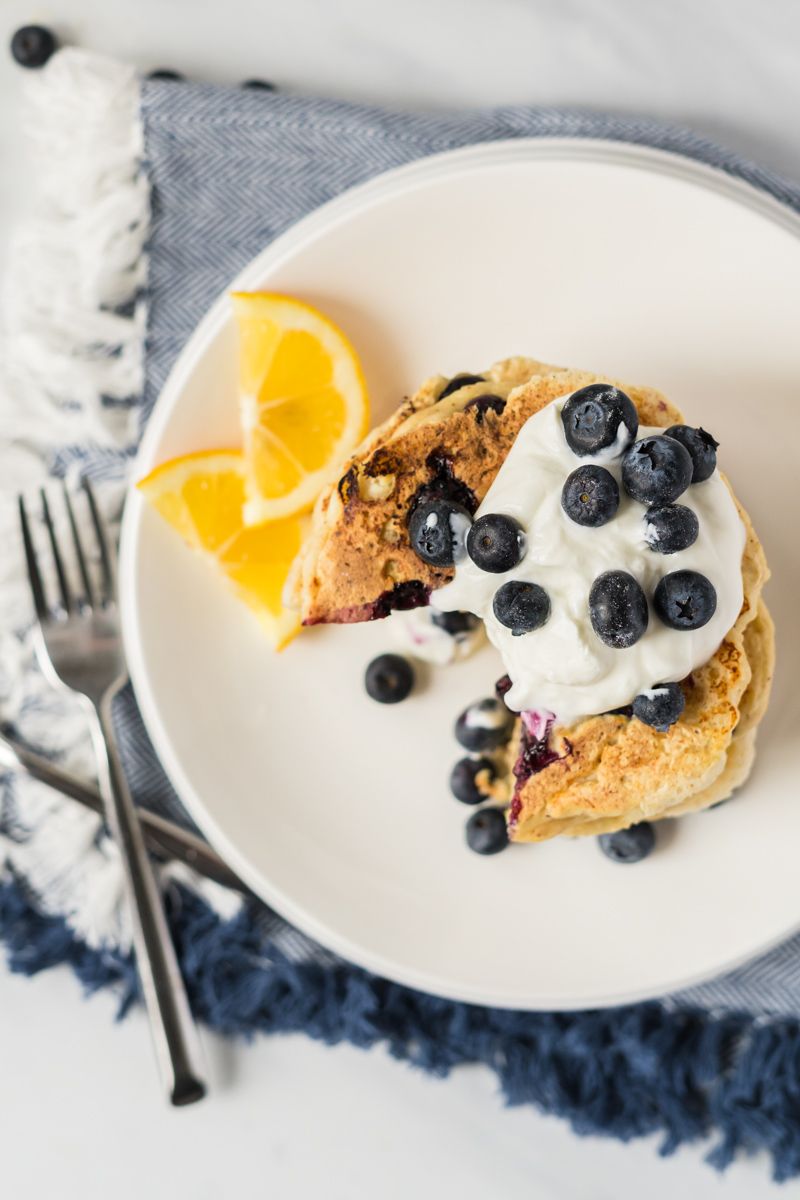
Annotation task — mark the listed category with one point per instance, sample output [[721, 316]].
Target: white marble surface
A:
[[81, 1119], [80, 1114]]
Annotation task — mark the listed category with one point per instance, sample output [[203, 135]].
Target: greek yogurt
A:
[[416, 632], [563, 667]]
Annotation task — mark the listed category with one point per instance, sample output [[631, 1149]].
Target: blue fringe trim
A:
[[626, 1072]]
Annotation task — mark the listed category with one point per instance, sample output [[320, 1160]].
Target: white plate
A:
[[336, 810]]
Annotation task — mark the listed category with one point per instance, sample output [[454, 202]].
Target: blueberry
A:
[[33, 45], [685, 600], [629, 845], [486, 831], [670, 528], [660, 706], [482, 404], [592, 417], [656, 470], [483, 726], [436, 529], [521, 607], [471, 778], [455, 622], [166, 73], [590, 496], [259, 85], [496, 543], [389, 678], [458, 382], [618, 609], [702, 449], [443, 484]]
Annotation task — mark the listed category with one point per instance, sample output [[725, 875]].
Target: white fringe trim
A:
[[78, 258], [72, 336]]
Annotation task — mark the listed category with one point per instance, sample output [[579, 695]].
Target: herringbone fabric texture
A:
[[231, 170]]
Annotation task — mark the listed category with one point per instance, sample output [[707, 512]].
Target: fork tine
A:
[[63, 582], [102, 542], [88, 590], [34, 575]]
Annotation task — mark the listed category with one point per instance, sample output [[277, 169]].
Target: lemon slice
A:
[[202, 497], [304, 404]]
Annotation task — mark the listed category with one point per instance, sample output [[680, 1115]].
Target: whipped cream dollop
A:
[[563, 666], [416, 632]]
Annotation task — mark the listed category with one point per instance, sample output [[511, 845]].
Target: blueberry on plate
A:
[[660, 706], [455, 623], [629, 845], [702, 449], [33, 45], [485, 725], [458, 382], [590, 496], [437, 529], [496, 543], [685, 600], [618, 609], [670, 528], [521, 606], [389, 678], [486, 831], [597, 418], [482, 404], [656, 470], [471, 778]]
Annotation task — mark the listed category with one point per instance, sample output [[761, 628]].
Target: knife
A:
[[163, 837]]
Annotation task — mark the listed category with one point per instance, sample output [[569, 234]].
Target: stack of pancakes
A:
[[605, 772]]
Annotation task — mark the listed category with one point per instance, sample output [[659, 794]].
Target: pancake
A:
[[612, 771], [358, 564], [605, 772]]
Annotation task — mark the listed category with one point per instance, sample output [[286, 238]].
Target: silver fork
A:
[[79, 646]]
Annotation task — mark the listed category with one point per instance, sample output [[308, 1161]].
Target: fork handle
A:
[[171, 1023]]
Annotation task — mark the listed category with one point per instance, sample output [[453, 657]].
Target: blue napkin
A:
[[230, 169]]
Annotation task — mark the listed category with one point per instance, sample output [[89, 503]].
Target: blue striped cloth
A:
[[231, 169]]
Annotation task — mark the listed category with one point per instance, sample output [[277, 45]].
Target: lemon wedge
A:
[[202, 496], [303, 402]]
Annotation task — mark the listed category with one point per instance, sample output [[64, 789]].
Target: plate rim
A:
[[322, 219]]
